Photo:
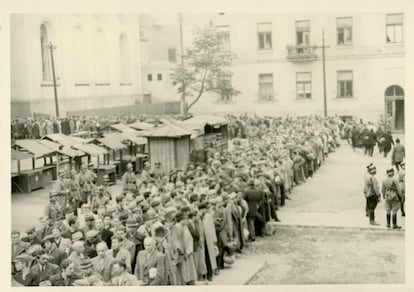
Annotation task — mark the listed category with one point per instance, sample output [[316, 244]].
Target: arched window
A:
[[124, 58], [394, 90], [80, 56], [44, 40], [101, 58]]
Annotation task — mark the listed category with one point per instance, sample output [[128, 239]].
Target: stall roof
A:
[[113, 143], [34, 147], [49, 144], [132, 136], [120, 127], [71, 152], [91, 149], [206, 120], [64, 139], [19, 155], [168, 130], [141, 126]]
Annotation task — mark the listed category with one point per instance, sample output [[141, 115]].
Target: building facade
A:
[[96, 61], [279, 70]]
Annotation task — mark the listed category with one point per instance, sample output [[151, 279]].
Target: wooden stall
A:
[[170, 145], [36, 177], [114, 145], [212, 135]]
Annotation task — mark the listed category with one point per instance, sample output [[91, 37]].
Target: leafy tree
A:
[[206, 68]]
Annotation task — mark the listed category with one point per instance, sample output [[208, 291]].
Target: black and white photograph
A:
[[207, 148]]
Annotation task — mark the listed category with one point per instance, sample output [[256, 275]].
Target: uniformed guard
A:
[[85, 184], [391, 192], [401, 179], [366, 176], [129, 180], [372, 193]]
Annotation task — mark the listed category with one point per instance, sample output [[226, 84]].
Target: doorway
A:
[[394, 107]]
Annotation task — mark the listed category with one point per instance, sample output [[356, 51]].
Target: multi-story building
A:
[[279, 70], [96, 61]]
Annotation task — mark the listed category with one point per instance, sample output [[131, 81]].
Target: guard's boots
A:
[[394, 222], [402, 210], [372, 218], [388, 220]]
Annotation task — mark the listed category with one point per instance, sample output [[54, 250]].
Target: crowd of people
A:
[[176, 227]]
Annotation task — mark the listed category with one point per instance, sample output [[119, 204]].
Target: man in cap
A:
[[391, 192], [135, 237], [121, 231], [129, 180], [254, 198], [158, 172], [53, 208], [119, 253], [121, 275], [61, 242], [17, 246], [401, 179], [56, 254], [372, 193], [31, 237], [89, 223], [92, 239], [398, 154], [42, 271], [151, 264], [88, 273], [67, 276], [103, 233], [22, 269], [103, 262], [83, 179], [45, 227], [91, 173]]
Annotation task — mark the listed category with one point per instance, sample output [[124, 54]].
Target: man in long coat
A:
[[209, 233]]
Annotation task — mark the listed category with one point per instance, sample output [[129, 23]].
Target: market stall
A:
[[114, 145], [169, 145]]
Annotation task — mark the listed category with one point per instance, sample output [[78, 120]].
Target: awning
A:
[[19, 155], [113, 143], [71, 152], [64, 139], [34, 147], [120, 127], [141, 126], [131, 135], [91, 149]]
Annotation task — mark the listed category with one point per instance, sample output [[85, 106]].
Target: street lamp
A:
[[52, 47], [325, 106]]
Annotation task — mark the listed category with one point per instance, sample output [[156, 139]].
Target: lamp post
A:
[[51, 47], [325, 105]]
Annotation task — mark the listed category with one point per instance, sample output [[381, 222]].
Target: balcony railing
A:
[[301, 53]]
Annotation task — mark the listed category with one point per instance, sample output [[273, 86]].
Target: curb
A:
[[338, 227]]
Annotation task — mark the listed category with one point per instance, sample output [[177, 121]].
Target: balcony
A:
[[301, 53]]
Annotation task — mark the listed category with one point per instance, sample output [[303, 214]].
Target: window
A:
[[124, 58], [265, 87], [302, 33], [44, 40], [344, 30], [159, 77], [101, 58], [264, 34], [149, 77], [223, 38], [172, 55], [80, 57], [345, 84], [394, 28], [303, 85]]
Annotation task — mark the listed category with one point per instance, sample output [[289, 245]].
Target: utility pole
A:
[[183, 105], [51, 47], [325, 105]]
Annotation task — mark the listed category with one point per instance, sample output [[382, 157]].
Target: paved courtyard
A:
[[324, 236]]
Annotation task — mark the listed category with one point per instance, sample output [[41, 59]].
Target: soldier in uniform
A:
[[129, 180], [53, 209], [391, 192], [401, 179], [84, 181], [372, 193]]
